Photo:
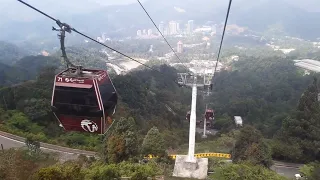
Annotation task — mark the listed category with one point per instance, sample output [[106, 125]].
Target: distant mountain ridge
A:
[[294, 20], [120, 19], [10, 53]]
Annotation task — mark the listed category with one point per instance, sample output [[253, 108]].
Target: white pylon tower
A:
[[194, 81], [193, 119]]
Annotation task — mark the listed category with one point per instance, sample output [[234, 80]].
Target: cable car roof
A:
[[86, 73]]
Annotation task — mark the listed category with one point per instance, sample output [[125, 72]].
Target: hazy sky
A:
[[14, 10]]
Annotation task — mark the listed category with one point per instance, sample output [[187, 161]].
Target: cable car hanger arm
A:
[[63, 29]]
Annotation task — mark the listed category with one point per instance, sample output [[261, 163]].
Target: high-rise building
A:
[[139, 33], [178, 27], [166, 31], [172, 27], [190, 27], [149, 32], [144, 32], [180, 47], [161, 27]]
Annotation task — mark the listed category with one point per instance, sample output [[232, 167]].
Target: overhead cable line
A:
[[224, 30], [59, 23], [159, 30]]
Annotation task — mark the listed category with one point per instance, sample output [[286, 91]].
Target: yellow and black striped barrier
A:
[[198, 155]]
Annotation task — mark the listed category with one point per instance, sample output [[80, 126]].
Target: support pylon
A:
[[193, 118]]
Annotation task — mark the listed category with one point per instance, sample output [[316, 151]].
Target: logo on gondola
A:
[[73, 80], [89, 125]]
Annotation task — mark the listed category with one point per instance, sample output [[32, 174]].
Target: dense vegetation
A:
[[20, 164], [263, 91], [245, 171], [270, 94], [267, 93], [300, 130]]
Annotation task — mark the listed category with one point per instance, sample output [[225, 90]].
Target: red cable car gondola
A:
[[84, 103], [83, 99]]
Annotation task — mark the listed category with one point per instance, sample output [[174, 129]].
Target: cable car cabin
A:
[[84, 103], [209, 114], [209, 124], [188, 116]]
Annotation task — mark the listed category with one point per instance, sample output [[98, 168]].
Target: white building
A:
[[207, 29], [235, 58], [190, 27], [178, 27], [161, 27], [238, 120], [139, 33], [173, 28], [149, 32]]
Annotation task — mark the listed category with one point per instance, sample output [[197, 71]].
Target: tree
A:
[[19, 164], [33, 145], [311, 171], [123, 142], [36, 108], [153, 143], [250, 147], [245, 171], [115, 149], [224, 122], [285, 150], [303, 127], [103, 172], [65, 171]]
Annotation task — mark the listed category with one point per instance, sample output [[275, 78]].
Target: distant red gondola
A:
[[209, 114], [188, 116], [84, 102]]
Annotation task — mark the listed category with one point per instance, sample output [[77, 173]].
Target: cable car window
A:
[[76, 101], [108, 95]]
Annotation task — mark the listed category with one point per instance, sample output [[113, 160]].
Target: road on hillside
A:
[[286, 169], [8, 141]]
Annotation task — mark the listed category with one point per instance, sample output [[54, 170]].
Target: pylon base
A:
[[186, 169]]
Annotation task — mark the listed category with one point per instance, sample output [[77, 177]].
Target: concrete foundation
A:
[[186, 169]]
